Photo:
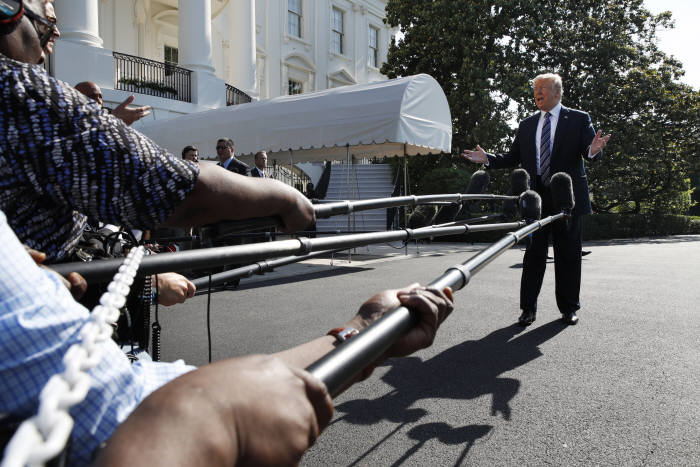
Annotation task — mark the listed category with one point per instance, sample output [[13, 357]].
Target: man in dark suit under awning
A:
[[227, 159], [260, 165]]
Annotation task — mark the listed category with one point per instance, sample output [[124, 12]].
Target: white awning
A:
[[401, 116]]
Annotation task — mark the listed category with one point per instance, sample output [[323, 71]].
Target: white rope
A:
[[43, 436]]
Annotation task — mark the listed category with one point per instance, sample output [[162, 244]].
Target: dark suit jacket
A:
[[572, 139], [237, 166], [254, 172]]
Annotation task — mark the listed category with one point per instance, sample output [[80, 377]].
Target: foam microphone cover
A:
[[530, 206], [448, 213], [562, 192], [478, 183], [422, 216], [519, 183], [510, 208]]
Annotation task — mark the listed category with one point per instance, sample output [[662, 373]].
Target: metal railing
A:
[[295, 178], [144, 76], [235, 96]]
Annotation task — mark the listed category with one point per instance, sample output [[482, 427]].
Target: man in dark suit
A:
[[227, 160], [260, 165], [556, 139]]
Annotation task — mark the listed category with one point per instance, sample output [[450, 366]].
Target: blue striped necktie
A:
[[545, 153]]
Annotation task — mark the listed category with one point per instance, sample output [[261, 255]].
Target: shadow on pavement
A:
[[330, 272], [466, 371]]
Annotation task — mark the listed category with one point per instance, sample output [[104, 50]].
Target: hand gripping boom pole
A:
[[339, 367], [342, 365]]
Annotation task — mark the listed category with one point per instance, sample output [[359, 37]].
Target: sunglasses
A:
[[221, 147], [48, 25]]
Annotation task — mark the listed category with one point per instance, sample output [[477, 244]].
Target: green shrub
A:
[[445, 180]]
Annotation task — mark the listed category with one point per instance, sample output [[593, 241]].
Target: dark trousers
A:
[[566, 240]]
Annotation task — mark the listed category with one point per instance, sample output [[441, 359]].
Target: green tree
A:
[[485, 53]]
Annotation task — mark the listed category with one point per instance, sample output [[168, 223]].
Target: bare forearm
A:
[[305, 354], [223, 195], [175, 425]]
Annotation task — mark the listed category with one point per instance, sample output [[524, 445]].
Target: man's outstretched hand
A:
[[478, 156], [599, 142], [130, 114]]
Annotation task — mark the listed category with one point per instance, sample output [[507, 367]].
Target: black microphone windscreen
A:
[[510, 208], [448, 213], [519, 182], [530, 206], [478, 183], [422, 216], [562, 191]]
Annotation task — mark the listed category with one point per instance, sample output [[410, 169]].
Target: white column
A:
[[194, 35], [78, 54], [243, 50], [78, 21], [195, 53]]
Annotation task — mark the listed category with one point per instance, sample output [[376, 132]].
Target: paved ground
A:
[[621, 388]]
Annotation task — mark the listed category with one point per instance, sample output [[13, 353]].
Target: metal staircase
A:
[[365, 181]]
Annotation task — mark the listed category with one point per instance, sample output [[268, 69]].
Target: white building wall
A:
[[261, 68]]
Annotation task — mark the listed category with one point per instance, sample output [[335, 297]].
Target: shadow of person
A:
[[466, 371]]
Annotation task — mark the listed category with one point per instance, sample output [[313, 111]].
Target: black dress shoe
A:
[[527, 318], [569, 318]]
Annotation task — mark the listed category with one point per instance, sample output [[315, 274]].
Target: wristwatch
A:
[[343, 334]]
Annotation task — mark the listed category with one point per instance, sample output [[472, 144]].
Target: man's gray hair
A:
[[556, 82]]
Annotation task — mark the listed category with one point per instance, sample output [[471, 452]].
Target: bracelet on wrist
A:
[[343, 334]]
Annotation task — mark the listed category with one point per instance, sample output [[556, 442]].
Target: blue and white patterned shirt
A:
[[39, 321], [63, 158]]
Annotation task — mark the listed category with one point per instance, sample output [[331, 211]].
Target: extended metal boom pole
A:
[[102, 271], [347, 207], [339, 367]]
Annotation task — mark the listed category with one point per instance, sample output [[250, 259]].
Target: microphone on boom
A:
[[562, 190], [477, 185], [530, 205], [519, 183], [422, 216]]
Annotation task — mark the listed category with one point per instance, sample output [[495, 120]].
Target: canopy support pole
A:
[[405, 189], [291, 167], [348, 164]]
